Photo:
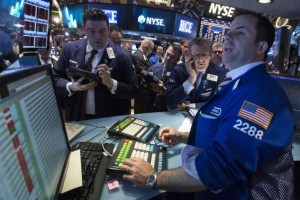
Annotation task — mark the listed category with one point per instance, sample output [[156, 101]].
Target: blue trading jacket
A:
[[246, 131]]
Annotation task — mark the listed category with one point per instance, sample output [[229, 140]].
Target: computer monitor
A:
[[72, 15], [36, 24], [33, 143], [13, 7]]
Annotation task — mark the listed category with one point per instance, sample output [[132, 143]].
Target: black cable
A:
[[83, 134]]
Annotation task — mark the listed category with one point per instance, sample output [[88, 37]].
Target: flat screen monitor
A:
[[73, 15], [12, 7], [36, 24], [117, 14], [213, 29], [33, 144], [151, 20], [185, 26]]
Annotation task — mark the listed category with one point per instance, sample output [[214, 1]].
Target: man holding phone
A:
[[201, 80], [101, 56]]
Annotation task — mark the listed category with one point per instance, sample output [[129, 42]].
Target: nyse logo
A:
[[151, 21], [185, 26], [221, 10], [112, 16]]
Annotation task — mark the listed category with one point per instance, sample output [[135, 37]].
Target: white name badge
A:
[[212, 77], [110, 53], [168, 74]]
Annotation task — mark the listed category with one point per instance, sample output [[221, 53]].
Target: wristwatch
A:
[[151, 180]]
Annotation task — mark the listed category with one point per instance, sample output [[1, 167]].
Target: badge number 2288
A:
[[250, 130]]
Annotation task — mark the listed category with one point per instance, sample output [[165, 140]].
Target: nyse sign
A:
[[218, 9], [151, 21], [185, 26], [112, 16]]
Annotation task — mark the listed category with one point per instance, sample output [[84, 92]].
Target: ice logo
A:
[[141, 19]]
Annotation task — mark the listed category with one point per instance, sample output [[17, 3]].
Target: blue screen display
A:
[[13, 7], [151, 20], [185, 26], [73, 15], [213, 29]]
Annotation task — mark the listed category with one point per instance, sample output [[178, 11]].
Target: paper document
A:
[[73, 177], [186, 125], [73, 129]]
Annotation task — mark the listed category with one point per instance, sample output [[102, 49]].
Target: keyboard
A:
[[133, 128], [154, 154], [93, 165]]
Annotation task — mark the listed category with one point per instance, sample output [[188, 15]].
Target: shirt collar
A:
[[89, 48], [243, 69]]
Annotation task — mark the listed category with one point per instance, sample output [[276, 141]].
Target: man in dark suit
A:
[[217, 55], [117, 84], [163, 72], [201, 80], [142, 102]]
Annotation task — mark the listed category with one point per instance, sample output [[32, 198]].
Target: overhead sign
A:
[[221, 10], [151, 20], [117, 14], [185, 26], [112, 16]]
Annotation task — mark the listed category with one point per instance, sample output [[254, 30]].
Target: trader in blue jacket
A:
[[111, 95], [240, 143]]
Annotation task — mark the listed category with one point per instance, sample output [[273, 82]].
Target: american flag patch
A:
[[255, 114]]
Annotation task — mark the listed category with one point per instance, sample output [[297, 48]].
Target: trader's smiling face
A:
[[97, 33]]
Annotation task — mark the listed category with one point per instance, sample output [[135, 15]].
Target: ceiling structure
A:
[[278, 8], [289, 9]]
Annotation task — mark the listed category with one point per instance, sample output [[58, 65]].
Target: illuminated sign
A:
[[185, 26], [151, 21], [112, 16], [218, 9]]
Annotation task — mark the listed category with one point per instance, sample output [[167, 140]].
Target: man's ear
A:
[[262, 47]]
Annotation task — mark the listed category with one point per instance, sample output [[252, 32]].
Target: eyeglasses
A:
[[217, 52], [200, 56]]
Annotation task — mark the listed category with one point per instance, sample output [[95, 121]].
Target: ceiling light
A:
[[264, 1]]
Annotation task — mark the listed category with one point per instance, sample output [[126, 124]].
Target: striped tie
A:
[[88, 67]]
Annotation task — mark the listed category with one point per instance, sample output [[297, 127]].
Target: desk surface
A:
[[127, 190]]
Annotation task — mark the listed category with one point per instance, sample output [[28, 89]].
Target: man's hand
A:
[[138, 171], [77, 86], [183, 105], [190, 68], [158, 88], [172, 137], [104, 73]]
